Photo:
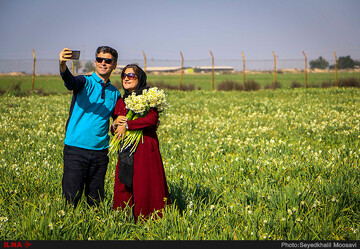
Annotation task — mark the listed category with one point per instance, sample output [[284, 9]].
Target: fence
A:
[[38, 66]]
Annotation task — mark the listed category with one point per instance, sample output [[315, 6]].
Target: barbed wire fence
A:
[[51, 66], [38, 66]]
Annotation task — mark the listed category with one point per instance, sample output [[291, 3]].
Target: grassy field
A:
[[277, 165], [203, 81]]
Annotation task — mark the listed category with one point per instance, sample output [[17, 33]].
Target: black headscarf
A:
[[141, 77], [126, 159]]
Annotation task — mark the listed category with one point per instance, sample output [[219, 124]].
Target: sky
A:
[[163, 28]]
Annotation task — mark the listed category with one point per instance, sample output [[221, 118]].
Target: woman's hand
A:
[[120, 120], [120, 132]]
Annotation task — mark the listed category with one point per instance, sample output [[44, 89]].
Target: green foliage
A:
[[295, 84], [229, 85], [349, 82], [274, 85], [254, 81], [319, 63], [240, 165], [77, 66], [89, 66], [357, 63], [345, 62]]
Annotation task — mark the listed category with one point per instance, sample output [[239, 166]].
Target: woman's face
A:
[[130, 82]]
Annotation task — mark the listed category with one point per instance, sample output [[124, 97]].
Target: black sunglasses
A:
[[130, 76], [107, 60]]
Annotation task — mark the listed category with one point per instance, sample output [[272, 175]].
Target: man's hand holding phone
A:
[[65, 55], [75, 55]]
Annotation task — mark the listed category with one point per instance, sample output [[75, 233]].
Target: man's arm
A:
[[71, 82], [64, 57]]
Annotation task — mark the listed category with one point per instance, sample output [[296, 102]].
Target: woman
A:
[[139, 179]]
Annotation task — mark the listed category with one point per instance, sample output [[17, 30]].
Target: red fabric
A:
[[149, 181]]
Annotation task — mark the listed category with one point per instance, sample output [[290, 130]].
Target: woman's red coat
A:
[[150, 190]]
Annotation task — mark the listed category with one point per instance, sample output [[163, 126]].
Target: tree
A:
[[320, 63], [357, 63], [345, 62], [89, 66], [77, 65]]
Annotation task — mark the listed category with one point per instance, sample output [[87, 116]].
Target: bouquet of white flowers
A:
[[139, 106]]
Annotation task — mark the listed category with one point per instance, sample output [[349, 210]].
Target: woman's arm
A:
[[149, 121], [119, 115]]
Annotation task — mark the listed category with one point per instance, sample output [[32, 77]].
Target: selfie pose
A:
[[139, 178], [86, 138]]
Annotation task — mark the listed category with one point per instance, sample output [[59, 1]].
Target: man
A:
[[86, 137]]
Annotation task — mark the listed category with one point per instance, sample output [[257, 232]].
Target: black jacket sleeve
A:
[[74, 83]]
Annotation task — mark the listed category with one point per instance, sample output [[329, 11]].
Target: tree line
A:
[[343, 62]]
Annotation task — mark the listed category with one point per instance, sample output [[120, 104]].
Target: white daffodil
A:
[[138, 106]]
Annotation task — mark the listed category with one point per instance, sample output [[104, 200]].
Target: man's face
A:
[[104, 67]]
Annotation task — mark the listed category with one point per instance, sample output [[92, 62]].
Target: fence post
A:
[[306, 82], [274, 67], [72, 67], [212, 70], [336, 75], [181, 69], [144, 61], [243, 56], [33, 76]]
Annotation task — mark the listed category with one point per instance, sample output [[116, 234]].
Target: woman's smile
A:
[[130, 84]]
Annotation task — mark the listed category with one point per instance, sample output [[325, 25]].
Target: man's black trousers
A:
[[84, 169]]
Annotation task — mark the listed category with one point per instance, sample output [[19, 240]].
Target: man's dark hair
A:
[[106, 49]]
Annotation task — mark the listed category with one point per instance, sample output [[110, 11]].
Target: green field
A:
[[203, 81], [277, 165]]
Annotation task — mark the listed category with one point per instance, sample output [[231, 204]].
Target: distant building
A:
[[177, 69], [163, 69], [155, 69], [216, 69]]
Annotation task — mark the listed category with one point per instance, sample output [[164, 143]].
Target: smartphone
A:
[[75, 55]]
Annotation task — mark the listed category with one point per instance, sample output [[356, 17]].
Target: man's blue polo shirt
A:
[[92, 105]]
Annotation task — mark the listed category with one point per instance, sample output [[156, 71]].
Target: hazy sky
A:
[[164, 28]]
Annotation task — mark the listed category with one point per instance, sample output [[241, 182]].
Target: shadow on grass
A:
[[181, 195]]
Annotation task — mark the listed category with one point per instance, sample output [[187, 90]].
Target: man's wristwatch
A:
[[126, 126]]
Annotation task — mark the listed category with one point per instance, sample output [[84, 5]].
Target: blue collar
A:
[[103, 85], [98, 80]]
